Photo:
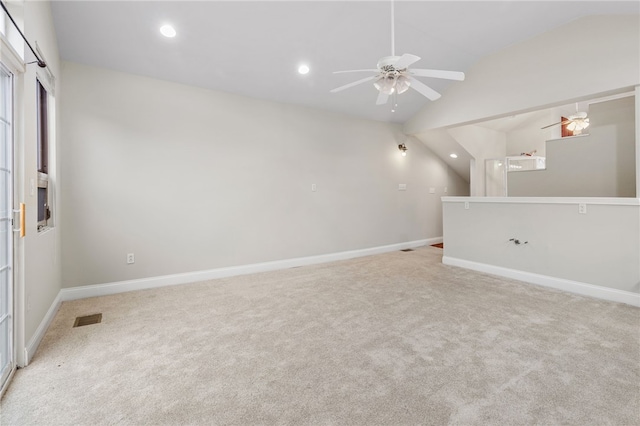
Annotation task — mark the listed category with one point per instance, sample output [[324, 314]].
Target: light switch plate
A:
[[402, 187]]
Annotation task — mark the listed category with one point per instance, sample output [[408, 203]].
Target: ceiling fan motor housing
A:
[[386, 64], [581, 115]]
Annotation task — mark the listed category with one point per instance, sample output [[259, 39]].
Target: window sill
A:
[[45, 229]]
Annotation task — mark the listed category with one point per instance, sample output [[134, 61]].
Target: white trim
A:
[[46, 78], [5, 386], [35, 340], [546, 200], [10, 57], [576, 287], [83, 292], [51, 79]]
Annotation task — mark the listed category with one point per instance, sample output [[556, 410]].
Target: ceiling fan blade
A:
[[555, 124], [355, 83], [342, 72], [551, 125], [449, 75], [423, 89], [405, 60], [382, 98]]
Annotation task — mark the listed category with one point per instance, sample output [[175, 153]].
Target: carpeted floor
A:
[[390, 339]]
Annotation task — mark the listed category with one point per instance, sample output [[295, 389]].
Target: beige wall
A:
[[482, 144], [190, 179], [561, 242]]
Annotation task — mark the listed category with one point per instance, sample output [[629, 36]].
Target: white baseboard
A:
[[35, 340], [576, 287], [83, 292]]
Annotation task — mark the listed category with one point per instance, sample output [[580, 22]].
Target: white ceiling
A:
[[253, 48]]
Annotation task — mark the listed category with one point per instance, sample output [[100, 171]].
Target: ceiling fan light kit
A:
[[576, 123], [386, 85], [402, 85], [393, 75]]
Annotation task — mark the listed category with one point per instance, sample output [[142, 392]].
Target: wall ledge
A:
[[570, 286], [546, 200]]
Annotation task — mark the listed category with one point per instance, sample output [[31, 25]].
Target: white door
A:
[[7, 363]]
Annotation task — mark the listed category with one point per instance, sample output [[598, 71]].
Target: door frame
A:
[[8, 146], [14, 64]]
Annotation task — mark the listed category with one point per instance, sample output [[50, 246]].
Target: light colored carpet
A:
[[391, 339]]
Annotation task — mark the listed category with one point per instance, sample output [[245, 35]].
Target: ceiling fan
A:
[[393, 75], [576, 123]]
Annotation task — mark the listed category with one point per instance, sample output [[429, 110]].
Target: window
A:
[[44, 212], [43, 130], [11, 34]]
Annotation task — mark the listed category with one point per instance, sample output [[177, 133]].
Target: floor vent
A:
[[407, 250], [88, 320]]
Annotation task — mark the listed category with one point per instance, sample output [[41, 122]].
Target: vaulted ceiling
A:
[[254, 48]]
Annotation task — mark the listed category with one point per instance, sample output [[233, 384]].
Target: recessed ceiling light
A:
[[453, 155], [303, 69], [168, 31]]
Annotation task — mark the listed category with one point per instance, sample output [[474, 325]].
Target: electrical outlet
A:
[[432, 190], [313, 187], [582, 208], [130, 258], [466, 205], [402, 187]]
